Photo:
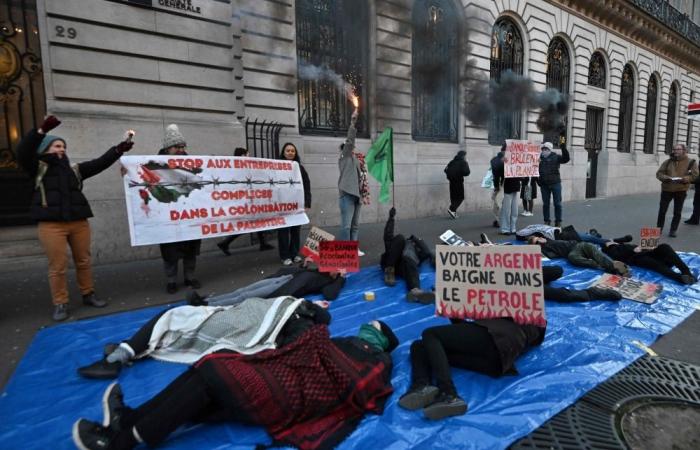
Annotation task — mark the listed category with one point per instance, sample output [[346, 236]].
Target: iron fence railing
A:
[[679, 22]]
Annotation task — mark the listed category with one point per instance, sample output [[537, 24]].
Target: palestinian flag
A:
[[166, 184], [694, 111]]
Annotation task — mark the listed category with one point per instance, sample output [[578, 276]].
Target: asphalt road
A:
[[26, 304]]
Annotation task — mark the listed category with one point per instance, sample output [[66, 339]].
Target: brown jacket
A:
[[685, 168]]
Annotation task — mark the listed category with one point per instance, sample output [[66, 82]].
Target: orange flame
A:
[[355, 100]]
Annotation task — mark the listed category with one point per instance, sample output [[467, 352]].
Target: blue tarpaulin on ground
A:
[[585, 344]]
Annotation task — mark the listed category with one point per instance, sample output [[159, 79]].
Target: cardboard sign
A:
[[490, 282], [180, 198], [315, 237], [338, 256], [649, 238], [449, 237], [522, 159], [636, 290]]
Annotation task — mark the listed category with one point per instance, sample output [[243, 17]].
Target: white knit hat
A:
[[172, 137], [547, 145]]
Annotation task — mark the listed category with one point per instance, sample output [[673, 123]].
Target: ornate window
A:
[[596, 71], [332, 51], [650, 115], [671, 118], [506, 55], [624, 125], [558, 70], [435, 70]]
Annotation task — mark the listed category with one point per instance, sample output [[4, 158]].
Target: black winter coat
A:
[[457, 169], [64, 198], [549, 167]]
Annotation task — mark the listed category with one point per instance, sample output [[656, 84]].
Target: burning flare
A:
[[355, 100]]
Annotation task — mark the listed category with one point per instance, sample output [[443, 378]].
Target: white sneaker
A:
[[360, 252], [287, 262], [524, 213], [298, 259]]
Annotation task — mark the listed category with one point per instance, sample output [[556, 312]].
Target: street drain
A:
[[660, 424]]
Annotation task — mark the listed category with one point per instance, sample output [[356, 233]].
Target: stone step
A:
[[24, 233], [35, 262], [20, 248]]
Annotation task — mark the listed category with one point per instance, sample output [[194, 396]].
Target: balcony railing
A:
[[662, 11]]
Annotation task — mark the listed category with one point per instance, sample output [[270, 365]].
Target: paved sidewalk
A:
[[27, 306]]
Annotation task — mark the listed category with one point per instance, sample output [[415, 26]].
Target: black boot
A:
[[101, 370]]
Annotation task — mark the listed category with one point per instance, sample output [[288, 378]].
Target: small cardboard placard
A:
[[522, 159], [649, 238], [315, 237], [335, 256], [449, 237], [490, 282], [639, 291]]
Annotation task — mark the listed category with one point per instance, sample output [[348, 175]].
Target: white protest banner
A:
[[178, 198], [311, 247], [522, 159], [490, 282]]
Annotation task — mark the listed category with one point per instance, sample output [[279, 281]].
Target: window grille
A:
[[506, 55], [624, 126], [332, 35], [596, 71], [435, 71], [558, 73], [650, 114], [671, 118]]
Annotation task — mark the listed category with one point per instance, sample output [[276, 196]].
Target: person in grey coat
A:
[[349, 185]]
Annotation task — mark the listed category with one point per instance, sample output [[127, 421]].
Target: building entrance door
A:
[[22, 103], [593, 145]]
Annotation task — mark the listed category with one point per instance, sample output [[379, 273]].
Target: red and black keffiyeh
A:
[[309, 394]]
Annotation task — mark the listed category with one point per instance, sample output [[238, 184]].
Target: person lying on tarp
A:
[[184, 334], [582, 254], [293, 281], [315, 404], [567, 233], [661, 259], [402, 257], [485, 346]]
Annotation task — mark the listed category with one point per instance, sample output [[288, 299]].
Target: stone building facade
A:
[[628, 67]]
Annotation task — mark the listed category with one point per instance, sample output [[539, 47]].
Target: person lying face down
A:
[[661, 259], [315, 404], [186, 333], [582, 254], [485, 346], [402, 257]]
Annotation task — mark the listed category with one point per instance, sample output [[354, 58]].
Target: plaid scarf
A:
[[364, 183], [309, 394]]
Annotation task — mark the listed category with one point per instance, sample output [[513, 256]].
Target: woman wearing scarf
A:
[[352, 184], [310, 394]]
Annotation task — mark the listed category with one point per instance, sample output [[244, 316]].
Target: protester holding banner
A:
[[311, 393], [661, 259], [486, 346], [61, 209], [226, 242], [353, 185], [528, 194], [456, 170], [402, 257], [289, 239], [550, 180], [174, 144], [676, 174], [186, 333]]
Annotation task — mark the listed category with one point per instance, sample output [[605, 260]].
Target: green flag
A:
[[380, 162]]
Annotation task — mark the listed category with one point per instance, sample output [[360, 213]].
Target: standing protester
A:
[[353, 186], [509, 206], [289, 239], [497, 167], [550, 180], [174, 144], [695, 217], [61, 209], [528, 194], [226, 242], [675, 174], [456, 170]]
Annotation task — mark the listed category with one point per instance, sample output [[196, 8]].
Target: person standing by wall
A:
[[456, 170], [226, 242], [550, 180], [289, 239], [353, 185], [174, 144], [61, 208], [675, 174]]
